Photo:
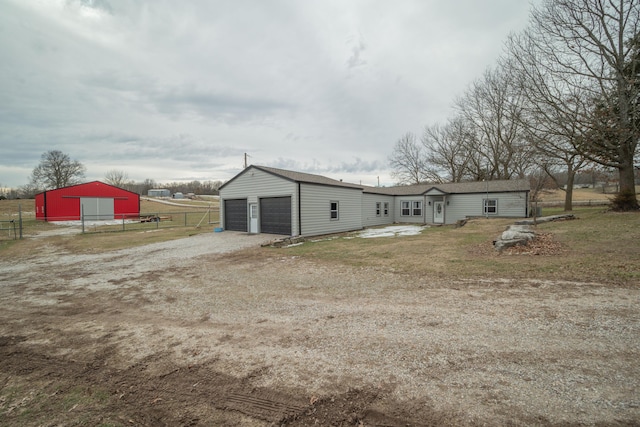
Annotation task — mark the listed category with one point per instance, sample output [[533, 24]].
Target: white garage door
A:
[[94, 208]]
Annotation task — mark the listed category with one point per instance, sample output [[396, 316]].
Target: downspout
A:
[[444, 209], [424, 209], [299, 211]]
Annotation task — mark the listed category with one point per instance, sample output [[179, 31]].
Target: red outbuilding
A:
[[95, 200]]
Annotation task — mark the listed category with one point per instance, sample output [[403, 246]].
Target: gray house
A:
[[268, 200]]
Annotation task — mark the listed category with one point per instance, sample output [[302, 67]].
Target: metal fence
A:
[[29, 226], [10, 230], [150, 221]]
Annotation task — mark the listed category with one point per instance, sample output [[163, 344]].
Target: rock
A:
[[518, 232], [514, 235], [502, 244]]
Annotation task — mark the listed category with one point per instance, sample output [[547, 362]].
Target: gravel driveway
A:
[[199, 332]]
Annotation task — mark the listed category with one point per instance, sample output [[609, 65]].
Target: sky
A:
[[180, 90]]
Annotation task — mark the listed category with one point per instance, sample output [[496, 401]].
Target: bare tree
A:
[[56, 170], [449, 149], [552, 114], [590, 47], [117, 178], [408, 162], [492, 107], [537, 179]]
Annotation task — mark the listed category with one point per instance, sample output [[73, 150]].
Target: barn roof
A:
[[86, 185]]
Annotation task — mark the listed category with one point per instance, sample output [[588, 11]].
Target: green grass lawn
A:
[[597, 246]]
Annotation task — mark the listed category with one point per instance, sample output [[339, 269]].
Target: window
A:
[[417, 208], [411, 208], [490, 206], [377, 208], [386, 208], [334, 210], [405, 208]]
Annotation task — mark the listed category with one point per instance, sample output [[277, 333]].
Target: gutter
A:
[[299, 211]]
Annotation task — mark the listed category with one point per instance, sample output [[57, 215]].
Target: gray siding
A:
[[369, 217], [256, 184], [316, 201], [428, 218], [411, 218], [461, 206], [357, 209]]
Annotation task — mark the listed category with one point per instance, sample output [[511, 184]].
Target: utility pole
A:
[[245, 160]]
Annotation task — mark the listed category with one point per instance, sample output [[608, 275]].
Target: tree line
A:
[[563, 98], [56, 170]]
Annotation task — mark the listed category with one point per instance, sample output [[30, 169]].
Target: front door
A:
[[438, 212], [253, 217]]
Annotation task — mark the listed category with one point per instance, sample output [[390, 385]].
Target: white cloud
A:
[[167, 90]]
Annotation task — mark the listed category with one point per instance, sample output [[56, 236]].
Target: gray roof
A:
[[501, 186], [305, 177]]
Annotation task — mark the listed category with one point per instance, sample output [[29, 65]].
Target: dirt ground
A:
[[203, 331]]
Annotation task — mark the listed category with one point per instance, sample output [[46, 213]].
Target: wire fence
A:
[[149, 221], [29, 226], [560, 203], [10, 230]]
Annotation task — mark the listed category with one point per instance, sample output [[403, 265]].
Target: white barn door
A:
[[96, 208]]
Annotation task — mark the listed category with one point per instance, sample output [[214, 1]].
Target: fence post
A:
[[82, 216], [19, 221], [157, 221], [123, 222]]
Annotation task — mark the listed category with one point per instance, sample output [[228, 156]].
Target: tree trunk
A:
[[568, 194], [626, 199]]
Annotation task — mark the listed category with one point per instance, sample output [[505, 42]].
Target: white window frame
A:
[[490, 206], [416, 208], [334, 213], [386, 208], [405, 206], [378, 210]]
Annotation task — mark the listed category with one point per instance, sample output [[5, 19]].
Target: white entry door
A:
[[438, 212], [253, 217]]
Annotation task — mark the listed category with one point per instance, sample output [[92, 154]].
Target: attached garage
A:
[[278, 201], [235, 215], [275, 215], [94, 200]]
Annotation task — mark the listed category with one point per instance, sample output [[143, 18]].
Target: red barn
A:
[[96, 200]]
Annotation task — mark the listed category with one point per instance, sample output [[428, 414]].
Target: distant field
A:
[[579, 195]]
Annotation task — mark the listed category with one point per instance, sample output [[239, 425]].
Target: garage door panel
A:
[[235, 215], [275, 215], [96, 208]]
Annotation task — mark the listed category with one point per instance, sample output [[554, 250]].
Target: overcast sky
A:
[[180, 90]]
